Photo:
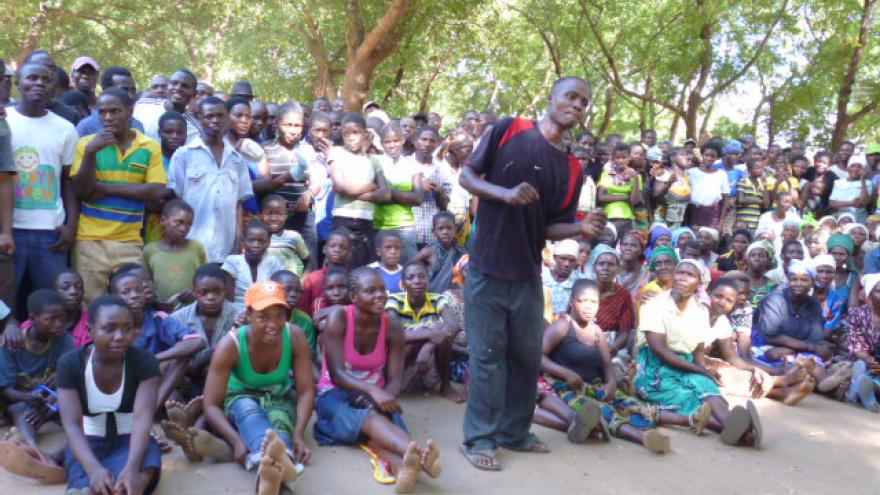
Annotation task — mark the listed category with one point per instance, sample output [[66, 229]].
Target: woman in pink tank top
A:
[[360, 381]]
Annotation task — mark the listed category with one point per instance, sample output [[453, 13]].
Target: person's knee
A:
[[16, 409]]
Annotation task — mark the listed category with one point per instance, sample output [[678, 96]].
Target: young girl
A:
[[404, 177], [335, 294], [672, 190], [618, 190], [247, 393], [254, 265], [107, 397], [69, 284], [577, 361], [337, 254], [360, 381], [286, 245]]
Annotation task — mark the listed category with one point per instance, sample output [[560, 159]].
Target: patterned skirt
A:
[[623, 409], [672, 388]]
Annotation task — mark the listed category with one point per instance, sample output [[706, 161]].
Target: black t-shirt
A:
[[64, 111], [508, 240]]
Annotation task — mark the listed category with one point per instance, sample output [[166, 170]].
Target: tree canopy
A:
[[790, 69]]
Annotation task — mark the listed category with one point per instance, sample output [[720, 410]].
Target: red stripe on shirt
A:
[[516, 127], [574, 174]]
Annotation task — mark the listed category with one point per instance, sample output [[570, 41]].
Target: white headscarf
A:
[[868, 282]]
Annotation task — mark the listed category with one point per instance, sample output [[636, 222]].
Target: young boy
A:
[[390, 245], [173, 344], [27, 376], [69, 285], [286, 245], [337, 253], [751, 198], [172, 135], [173, 260], [429, 329], [442, 256], [293, 290], [335, 294]]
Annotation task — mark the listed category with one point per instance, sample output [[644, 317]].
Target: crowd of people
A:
[[181, 266]]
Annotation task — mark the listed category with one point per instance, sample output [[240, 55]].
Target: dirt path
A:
[[818, 447]]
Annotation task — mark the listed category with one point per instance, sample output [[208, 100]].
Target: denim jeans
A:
[[251, 421], [35, 258]]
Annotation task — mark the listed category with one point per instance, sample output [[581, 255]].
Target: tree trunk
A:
[[34, 34], [606, 117], [843, 118], [690, 121]]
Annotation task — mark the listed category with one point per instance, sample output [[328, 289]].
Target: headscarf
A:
[[852, 226], [762, 244], [792, 222], [610, 226], [824, 260], [809, 221], [852, 218], [657, 231], [698, 265], [659, 251], [764, 230], [827, 218], [565, 247], [841, 240], [800, 267], [601, 249], [713, 233], [677, 234], [868, 282]]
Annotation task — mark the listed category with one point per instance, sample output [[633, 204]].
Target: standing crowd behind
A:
[[230, 267]]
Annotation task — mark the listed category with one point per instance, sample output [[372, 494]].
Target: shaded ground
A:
[[820, 446]]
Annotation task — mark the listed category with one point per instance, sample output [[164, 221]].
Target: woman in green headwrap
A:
[[846, 279], [662, 264]]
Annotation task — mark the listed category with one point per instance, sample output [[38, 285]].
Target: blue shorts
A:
[[339, 422], [113, 457]]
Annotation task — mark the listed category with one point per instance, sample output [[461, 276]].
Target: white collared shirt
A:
[[213, 191]]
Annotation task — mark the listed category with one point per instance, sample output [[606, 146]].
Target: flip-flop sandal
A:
[[736, 426], [472, 456], [381, 469], [535, 446], [15, 460], [755, 420], [584, 423], [604, 431]]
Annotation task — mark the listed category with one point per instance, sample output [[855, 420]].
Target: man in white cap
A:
[[85, 77], [558, 279], [852, 194]]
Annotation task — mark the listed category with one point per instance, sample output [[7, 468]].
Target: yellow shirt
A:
[[113, 217], [684, 329]]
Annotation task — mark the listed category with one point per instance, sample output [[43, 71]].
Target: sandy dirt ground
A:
[[818, 447]]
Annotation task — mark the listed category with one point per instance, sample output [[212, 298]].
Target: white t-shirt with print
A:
[[42, 146]]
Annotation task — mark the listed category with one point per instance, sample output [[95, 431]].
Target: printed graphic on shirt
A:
[[36, 185]]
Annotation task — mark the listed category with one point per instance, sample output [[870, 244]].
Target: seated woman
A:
[[662, 264], [845, 285], [577, 364], [789, 326], [739, 374], [616, 315], [107, 396], [360, 381], [247, 393], [672, 370], [863, 343], [634, 272]]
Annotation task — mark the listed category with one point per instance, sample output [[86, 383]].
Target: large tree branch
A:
[[758, 52], [865, 110], [552, 48], [383, 33]]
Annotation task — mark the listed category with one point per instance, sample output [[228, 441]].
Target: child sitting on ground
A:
[[389, 246], [286, 245], [559, 279], [429, 329], [293, 291], [69, 285], [212, 316], [441, 256], [254, 265], [337, 253], [360, 381], [247, 394], [173, 260], [107, 395], [173, 345], [27, 384]]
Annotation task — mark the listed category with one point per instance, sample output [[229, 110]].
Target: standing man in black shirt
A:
[[528, 186]]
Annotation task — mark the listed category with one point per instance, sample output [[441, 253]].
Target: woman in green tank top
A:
[[247, 392]]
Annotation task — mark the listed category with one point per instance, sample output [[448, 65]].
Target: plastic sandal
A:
[[381, 470]]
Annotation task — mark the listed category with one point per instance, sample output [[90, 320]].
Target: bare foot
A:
[[430, 459], [452, 394], [799, 392], [808, 364], [180, 436], [408, 473], [18, 460], [176, 412], [274, 448], [14, 436], [207, 445], [193, 410], [269, 473]]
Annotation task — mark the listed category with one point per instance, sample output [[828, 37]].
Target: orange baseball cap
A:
[[265, 294]]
